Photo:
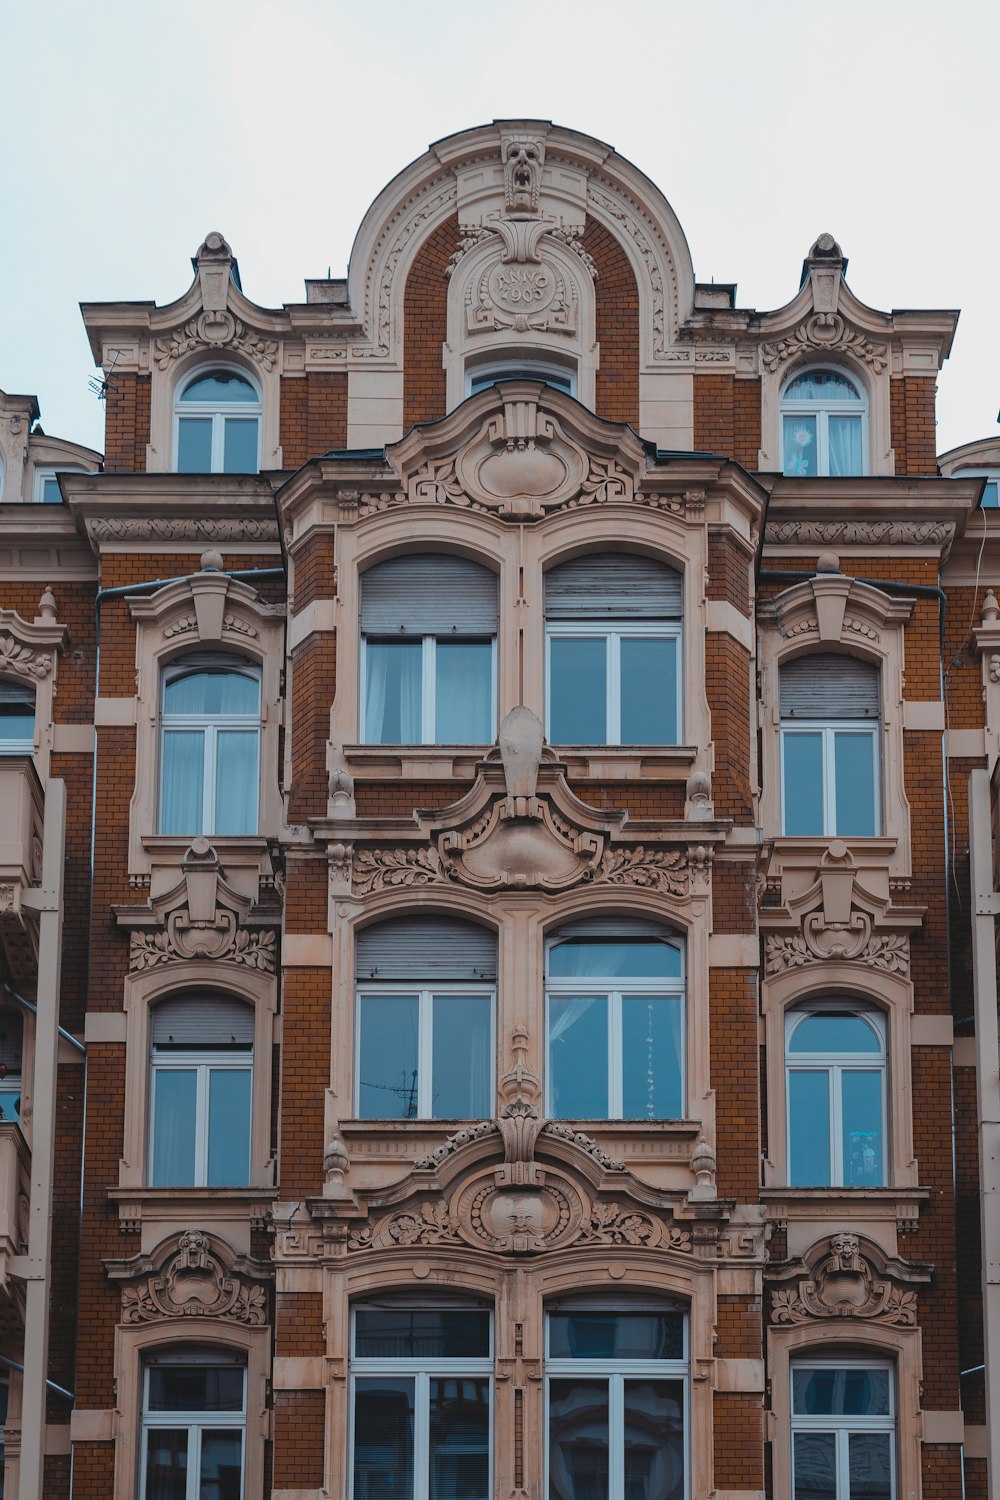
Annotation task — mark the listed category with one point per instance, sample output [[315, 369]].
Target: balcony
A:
[[22, 821]]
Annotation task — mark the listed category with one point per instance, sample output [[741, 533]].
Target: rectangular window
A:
[[194, 1431], [429, 692], [425, 1054], [616, 1056], [615, 685], [829, 781], [843, 1432], [200, 1119]]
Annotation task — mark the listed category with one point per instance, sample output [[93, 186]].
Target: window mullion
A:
[[428, 680], [613, 704], [194, 1460], [616, 1089], [421, 1437], [843, 1464], [425, 1055], [836, 1126], [616, 1437], [829, 782]]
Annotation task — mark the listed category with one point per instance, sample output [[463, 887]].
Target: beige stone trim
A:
[[300, 1373], [160, 455], [975, 1441], [318, 618], [967, 744], [91, 1426], [72, 739], [726, 619], [105, 1026], [114, 712], [728, 950], [928, 715], [964, 1052], [944, 1427], [307, 951], [739, 1375], [931, 1031], [57, 1439], [29, 656]]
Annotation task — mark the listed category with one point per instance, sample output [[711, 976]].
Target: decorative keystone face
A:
[[523, 158]]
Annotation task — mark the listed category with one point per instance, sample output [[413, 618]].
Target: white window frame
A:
[[210, 726], [196, 1423], [10, 746], [990, 474], [421, 1371], [843, 1426], [202, 1062], [616, 1372], [219, 411], [615, 993], [428, 679], [835, 1064], [822, 411], [613, 632], [829, 729], [41, 475], [557, 375], [425, 1039]]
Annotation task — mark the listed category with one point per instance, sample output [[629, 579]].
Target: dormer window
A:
[[823, 419], [217, 419]]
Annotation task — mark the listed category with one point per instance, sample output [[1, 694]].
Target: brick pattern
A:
[[126, 423], [312, 416], [733, 1022], [305, 1076], [617, 310], [912, 424], [941, 1466], [315, 573], [738, 1328], [425, 326], [968, 1243], [298, 1439], [314, 680], [298, 1331], [727, 417], [728, 572], [739, 1440], [727, 682], [934, 1239]]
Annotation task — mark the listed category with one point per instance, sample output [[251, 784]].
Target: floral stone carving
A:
[[847, 1282], [192, 1281]]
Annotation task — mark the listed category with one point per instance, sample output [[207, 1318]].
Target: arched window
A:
[[201, 1065], [479, 377], [835, 1066], [17, 717], [429, 629], [823, 425], [843, 1429], [194, 1405], [210, 746], [615, 1022], [425, 1019], [830, 709], [613, 627], [217, 416]]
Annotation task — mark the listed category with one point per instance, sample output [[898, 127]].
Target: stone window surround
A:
[[523, 924], [142, 991], [161, 453], [131, 1346], [40, 641], [795, 1345], [206, 611], [877, 451], [522, 552], [889, 995], [833, 610]]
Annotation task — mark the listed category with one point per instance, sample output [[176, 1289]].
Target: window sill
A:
[[835, 1205], [203, 1205], [582, 762]]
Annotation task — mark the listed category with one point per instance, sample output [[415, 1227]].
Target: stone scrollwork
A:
[[190, 1277], [889, 952], [254, 949], [216, 329], [860, 533], [23, 660], [846, 1279], [824, 332], [202, 917]]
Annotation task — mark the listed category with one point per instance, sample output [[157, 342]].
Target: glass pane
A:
[[862, 1099], [392, 695], [578, 691], [195, 1388], [815, 1463], [194, 445], [605, 958], [648, 691], [10, 1109], [239, 446], [870, 1464], [174, 1111], [182, 781], [17, 725], [219, 386], [991, 496], [51, 493], [616, 1335], [821, 385], [809, 1128], [166, 1463], [221, 1464], [229, 1127], [461, 1049], [651, 1058], [387, 1074], [578, 1440], [844, 438], [654, 1440], [578, 1057], [840, 1393], [833, 1031], [459, 1439], [800, 446], [383, 1439], [236, 781], [213, 692], [802, 776], [463, 692], [421, 1333], [854, 782]]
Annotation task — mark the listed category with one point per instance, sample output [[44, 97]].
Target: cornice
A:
[[186, 511]]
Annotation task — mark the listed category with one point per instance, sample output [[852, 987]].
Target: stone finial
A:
[[991, 609], [340, 794], [211, 561], [828, 562], [336, 1163], [521, 738], [703, 1167], [699, 796], [214, 247], [825, 247], [47, 608]]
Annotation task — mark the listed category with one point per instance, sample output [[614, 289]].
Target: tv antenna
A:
[[98, 384]]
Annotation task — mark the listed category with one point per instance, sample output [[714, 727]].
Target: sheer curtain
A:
[[182, 774], [392, 692], [844, 437]]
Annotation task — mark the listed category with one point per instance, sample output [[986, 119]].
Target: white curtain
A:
[[182, 770], [844, 437], [392, 693]]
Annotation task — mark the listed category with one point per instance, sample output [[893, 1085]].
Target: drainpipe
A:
[[986, 909], [34, 1268]]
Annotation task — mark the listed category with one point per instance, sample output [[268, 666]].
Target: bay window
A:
[[210, 747], [193, 1426], [843, 1430], [835, 1064], [201, 1091], [830, 746]]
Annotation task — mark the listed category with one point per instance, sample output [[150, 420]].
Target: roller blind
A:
[[828, 686], [612, 927], [14, 694], [426, 948], [430, 594], [614, 585], [200, 1019]]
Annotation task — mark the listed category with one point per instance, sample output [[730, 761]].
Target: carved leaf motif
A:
[[255, 949], [381, 869], [879, 533], [147, 949], [786, 1307], [22, 659], [784, 953], [890, 952], [647, 868], [611, 1225]]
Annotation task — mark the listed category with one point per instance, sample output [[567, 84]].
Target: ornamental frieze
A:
[[847, 1277], [824, 331], [191, 1276], [860, 533], [215, 330]]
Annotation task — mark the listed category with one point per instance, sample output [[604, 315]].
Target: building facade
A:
[[516, 711]]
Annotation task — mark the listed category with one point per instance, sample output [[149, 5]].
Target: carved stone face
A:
[[522, 175]]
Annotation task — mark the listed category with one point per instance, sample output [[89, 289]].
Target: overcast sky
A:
[[132, 127]]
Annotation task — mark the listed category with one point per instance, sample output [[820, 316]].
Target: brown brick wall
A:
[[313, 416], [728, 572], [99, 1300], [315, 575], [968, 1242], [934, 1239], [617, 308], [912, 419], [305, 1070], [738, 1328], [941, 1468], [314, 679], [298, 1439], [739, 1440], [425, 326], [727, 683], [299, 1331], [727, 418], [126, 423], [734, 1054]]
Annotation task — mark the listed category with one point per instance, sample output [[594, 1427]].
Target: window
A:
[[201, 1090], [616, 1392], [843, 1431], [822, 425], [615, 1022], [209, 766], [218, 424], [17, 718], [829, 746], [613, 639], [425, 1020], [835, 1067], [481, 377], [429, 628], [991, 492], [11, 1053], [46, 482], [193, 1426], [421, 1392]]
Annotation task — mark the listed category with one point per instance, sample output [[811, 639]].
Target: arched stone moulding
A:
[[29, 655]]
